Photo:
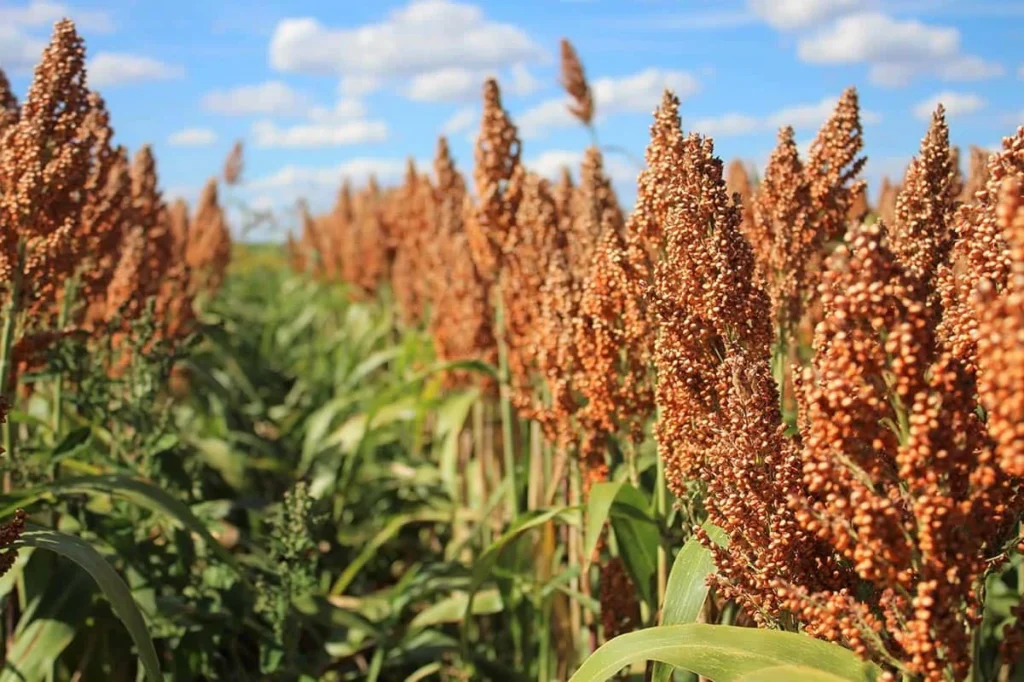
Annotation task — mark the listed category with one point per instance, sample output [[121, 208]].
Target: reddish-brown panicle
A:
[[496, 158], [234, 164], [575, 83]]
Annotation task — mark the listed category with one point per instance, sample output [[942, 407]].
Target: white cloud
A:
[[358, 85], [549, 115], [969, 68], [955, 103], [813, 115], [345, 109], [461, 121], [799, 116], [268, 98], [356, 170], [638, 93], [641, 92], [456, 83], [423, 36], [108, 69], [1020, 72], [689, 21], [727, 125], [877, 37], [269, 134], [522, 82], [18, 50], [448, 84], [42, 14], [788, 15], [619, 170], [192, 137], [896, 50]]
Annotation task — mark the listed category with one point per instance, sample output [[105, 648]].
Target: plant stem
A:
[[70, 289], [480, 450], [575, 559], [535, 494], [544, 656], [508, 456], [660, 506], [6, 361]]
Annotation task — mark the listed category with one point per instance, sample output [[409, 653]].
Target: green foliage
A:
[[314, 504], [730, 654]]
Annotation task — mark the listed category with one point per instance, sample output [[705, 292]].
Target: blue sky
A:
[[323, 89]]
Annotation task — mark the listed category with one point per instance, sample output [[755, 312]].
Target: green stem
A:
[[480, 450], [6, 347], [544, 656], [507, 453], [661, 506], [70, 289], [373, 674]]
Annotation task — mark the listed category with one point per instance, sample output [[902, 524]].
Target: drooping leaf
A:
[[486, 562], [599, 506], [129, 489], [389, 531], [726, 653], [451, 416], [453, 608], [46, 627], [638, 538], [687, 588], [109, 582]]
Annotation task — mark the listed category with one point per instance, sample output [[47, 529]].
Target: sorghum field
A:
[[483, 426]]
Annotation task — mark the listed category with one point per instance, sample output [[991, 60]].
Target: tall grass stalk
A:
[[70, 290], [6, 359], [507, 441], [661, 509], [480, 450]]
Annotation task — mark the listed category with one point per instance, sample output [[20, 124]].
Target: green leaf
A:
[[638, 538], [72, 441], [599, 506], [367, 366], [725, 653], [486, 562], [82, 553], [451, 415], [687, 588], [132, 490], [47, 624], [453, 608], [389, 531], [317, 426]]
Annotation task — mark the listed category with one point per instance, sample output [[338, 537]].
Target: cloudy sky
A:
[[321, 89]]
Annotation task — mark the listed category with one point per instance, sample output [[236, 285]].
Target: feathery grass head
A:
[[783, 234], [1000, 333], [833, 166], [106, 216], [148, 212], [496, 159], [208, 241], [886, 204], [977, 173], [461, 322], [8, 103], [575, 83], [234, 164], [922, 235], [979, 254], [44, 166]]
